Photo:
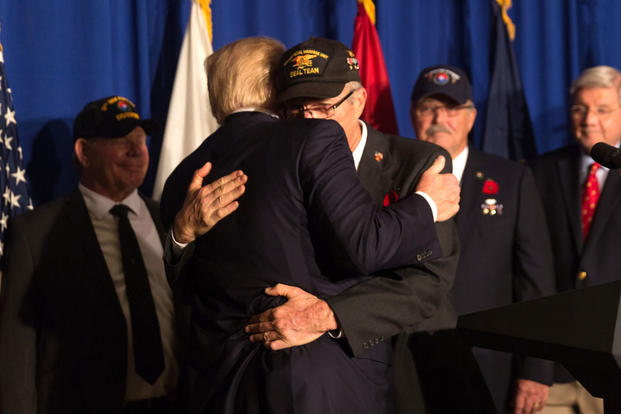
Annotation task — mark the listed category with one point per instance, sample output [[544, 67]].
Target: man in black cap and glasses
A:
[[88, 318], [319, 78]]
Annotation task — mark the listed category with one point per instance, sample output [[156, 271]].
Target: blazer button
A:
[[582, 275], [419, 257]]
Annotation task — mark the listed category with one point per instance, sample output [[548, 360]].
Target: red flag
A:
[[379, 110]]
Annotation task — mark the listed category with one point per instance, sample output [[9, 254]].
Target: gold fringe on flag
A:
[[369, 6], [505, 5], [206, 7]]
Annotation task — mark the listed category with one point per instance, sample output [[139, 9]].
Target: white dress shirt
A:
[[106, 229], [459, 164], [585, 164]]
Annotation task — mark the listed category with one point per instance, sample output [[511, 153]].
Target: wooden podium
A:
[[581, 329]]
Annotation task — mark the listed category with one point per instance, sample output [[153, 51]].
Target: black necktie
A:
[[148, 356]]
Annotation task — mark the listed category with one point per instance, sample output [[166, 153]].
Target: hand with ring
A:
[[530, 396]]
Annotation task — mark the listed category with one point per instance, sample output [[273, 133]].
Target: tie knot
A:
[[119, 210], [594, 167]]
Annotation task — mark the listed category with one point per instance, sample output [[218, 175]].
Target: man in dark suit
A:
[[305, 221], [585, 226], [505, 254], [389, 168], [69, 338]]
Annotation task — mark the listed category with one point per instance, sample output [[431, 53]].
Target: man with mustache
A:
[[581, 200], [505, 254]]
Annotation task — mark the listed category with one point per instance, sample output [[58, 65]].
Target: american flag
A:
[[13, 182]]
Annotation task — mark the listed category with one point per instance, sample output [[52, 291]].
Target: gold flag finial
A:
[[369, 6], [206, 7], [505, 5]]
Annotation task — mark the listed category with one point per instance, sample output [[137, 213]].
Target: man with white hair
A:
[[581, 200]]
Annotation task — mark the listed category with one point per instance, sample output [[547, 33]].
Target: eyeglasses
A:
[[317, 110], [580, 111], [432, 110]]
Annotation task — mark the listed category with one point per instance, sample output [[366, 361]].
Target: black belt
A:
[[161, 405]]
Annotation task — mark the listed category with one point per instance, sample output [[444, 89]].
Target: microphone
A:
[[606, 155]]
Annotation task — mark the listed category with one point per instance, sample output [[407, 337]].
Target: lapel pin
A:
[[390, 198], [378, 156], [490, 187]]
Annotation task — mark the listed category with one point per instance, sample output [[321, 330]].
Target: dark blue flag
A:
[[508, 130], [13, 183]]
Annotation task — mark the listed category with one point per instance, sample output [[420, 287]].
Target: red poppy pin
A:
[[490, 187], [390, 198]]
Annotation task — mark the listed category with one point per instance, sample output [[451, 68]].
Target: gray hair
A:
[[353, 86], [597, 77]]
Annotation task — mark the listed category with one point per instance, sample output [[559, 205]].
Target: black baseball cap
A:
[[316, 68], [442, 80], [110, 117]]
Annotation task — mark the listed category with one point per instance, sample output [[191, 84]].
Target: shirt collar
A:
[[99, 205], [256, 109], [357, 152]]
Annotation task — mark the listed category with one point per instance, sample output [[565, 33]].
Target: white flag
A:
[[189, 119]]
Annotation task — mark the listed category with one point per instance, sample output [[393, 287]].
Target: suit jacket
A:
[[63, 339], [506, 257], [408, 298], [304, 220], [578, 263]]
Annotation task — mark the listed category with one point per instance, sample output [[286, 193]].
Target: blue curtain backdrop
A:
[[59, 55]]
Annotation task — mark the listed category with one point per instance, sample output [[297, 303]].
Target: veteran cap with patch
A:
[[442, 80], [316, 68], [110, 117]]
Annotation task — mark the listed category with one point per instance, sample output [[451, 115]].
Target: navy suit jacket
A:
[[506, 257], [63, 336], [579, 263], [306, 221]]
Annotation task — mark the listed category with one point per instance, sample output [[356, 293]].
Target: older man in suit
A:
[[304, 221], [389, 167], [582, 200], [88, 321], [506, 254], [413, 298]]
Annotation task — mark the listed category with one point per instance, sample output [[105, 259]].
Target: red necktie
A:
[[590, 195]]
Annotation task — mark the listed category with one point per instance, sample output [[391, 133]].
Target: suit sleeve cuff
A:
[[432, 204]]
